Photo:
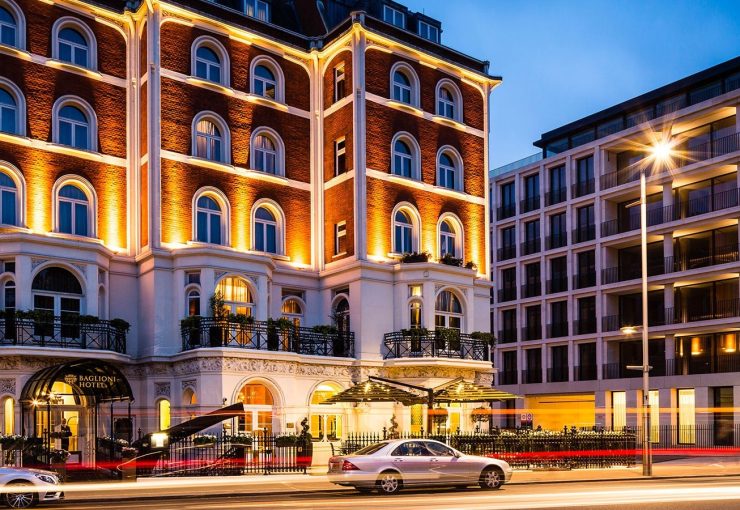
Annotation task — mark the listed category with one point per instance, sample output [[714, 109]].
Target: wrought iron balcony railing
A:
[[439, 343], [63, 332], [205, 332]]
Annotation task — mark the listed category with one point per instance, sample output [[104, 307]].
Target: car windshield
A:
[[369, 450]]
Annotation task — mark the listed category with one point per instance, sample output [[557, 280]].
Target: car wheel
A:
[[20, 499], [389, 482], [491, 478]]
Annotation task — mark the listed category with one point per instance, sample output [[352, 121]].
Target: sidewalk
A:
[[163, 488]]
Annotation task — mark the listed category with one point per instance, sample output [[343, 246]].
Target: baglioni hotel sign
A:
[[91, 382]]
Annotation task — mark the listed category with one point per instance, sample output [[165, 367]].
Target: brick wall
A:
[[344, 57], [337, 125], [339, 206]]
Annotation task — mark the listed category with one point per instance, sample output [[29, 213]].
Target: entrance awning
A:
[[463, 391], [375, 391], [190, 427], [96, 380]]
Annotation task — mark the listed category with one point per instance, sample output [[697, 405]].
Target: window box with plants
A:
[[415, 338], [415, 258], [204, 440]]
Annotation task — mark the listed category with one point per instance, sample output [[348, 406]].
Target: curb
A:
[[168, 497]]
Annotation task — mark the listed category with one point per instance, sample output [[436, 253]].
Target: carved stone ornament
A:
[[7, 386], [162, 389], [190, 383], [37, 262]]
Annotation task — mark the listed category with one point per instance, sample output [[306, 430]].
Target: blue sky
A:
[[564, 59]]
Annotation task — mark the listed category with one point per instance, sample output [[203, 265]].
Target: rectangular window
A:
[[619, 410], [654, 403], [340, 159], [414, 290], [508, 325], [531, 192], [394, 16], [532, 231], [429, 32], [533, 315], [340, 238], [508, 198], [192, 277], [257, 9], [686, 416], [339, 83], [584, 176]]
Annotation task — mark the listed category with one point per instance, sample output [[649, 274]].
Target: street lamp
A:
[[660, 153]]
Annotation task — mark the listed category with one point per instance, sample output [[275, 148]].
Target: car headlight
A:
[[47, 478]]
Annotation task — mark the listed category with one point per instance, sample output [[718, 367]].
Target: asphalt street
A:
[[675, 494]]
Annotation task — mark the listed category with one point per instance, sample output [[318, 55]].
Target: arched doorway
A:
[[58, 296], [327, 421], [70, 406], [236, 295], [259, 408]]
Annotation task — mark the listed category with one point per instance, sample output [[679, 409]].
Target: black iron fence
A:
[[440, 343], [63, 332], [271, 336], [529, 449]]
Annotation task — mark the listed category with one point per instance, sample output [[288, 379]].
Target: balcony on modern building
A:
[[556, 196], [532, 332], [506, 294], [533, 289], [558, 374], [582, 188], [532, 376], [506, 336], [584, 280], [556, 240], [630, 311], [207, 332], [437, 343], [70, 331], [705, 354], [584, 326], [584, 372], [505, 211], [558, 284], [629, 263], [531, 246], [583, 234], [557, 329], [506, 253], [529, 204], [507, 377]]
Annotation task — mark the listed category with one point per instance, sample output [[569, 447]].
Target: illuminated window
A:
[[8, 416], [619, 410], [74, 43], [8, 112], [415, 290], [73, 215], [449, 170], [8, 28], [211, 138], [209, 221], [340, 158], [415, 315], [258, 403], [292, 310], [405, 230], [339, 83], [265, 231], [257, 9], [449, 100], [325, 424], [267, 79], [74, 128], [8, 200], [237, 295], [210, 61], [193, 302], [340, 238], [450, 237], [267, 152], [654, 404], [404, 84], [163, 414], [401, 87], [686, 416], [448, 311]]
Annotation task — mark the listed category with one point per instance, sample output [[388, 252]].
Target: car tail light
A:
[[348, 466]]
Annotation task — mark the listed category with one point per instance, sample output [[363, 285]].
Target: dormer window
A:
[[394, 16], [258, 9], [429, 32]]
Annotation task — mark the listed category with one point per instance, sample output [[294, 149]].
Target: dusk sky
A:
[[564, 59]]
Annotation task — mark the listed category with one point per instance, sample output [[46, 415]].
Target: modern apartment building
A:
[[567, 263], [238, 181]]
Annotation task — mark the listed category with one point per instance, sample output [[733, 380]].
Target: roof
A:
[[375, 391], [463, 391]]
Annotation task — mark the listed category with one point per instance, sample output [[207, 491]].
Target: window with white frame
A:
[[446, 103], [340, 158], [394, 16], [209, 219], [265, 231], [208, 140], [447, 239], [340, 238], [403, 232], [207, 64], [73, 211], [8, 112], [267, 152], [448, 172], [73, 128], [402, 87], [403, 159], [8, 28], [73, 47], [429, 32], [258, 9], [57, 292], [415, 314], [237, 295], [339, 83], [193, 303], [293, 311], [264, 82], [448, 311], [8, 200]]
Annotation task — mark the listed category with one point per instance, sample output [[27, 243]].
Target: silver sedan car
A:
[[389, 466], [24, 488]]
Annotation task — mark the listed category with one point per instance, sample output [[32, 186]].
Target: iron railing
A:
[[531, 289], [584, 327], [261, 335], [506, 336], [583, 280], [508, 377], [557, 329], [556, 241], [532, 332], [439, 343], [558, 374], [506, 294], [531, 246], [529, 204], [583, 234], [505, 211], [506, 252], [703, 364], [702, 258], [62, 332], [583, 188], [555, 196], [703, 310], [531, 376], [627, 272], [557, 285], [584, 372]]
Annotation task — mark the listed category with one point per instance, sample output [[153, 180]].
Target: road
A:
[[674, 494]]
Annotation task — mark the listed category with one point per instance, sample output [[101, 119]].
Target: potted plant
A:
[[450, 260], [414, 258], [471, 265], [204, 440], [220, 313], [273, 338], [304, 445], [190, 327], [286, 441]]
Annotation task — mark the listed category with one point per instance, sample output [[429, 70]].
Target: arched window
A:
[[8, 297], [210, 60], [74, 128], [402, 159], [8, 416], [326, 420], [258, 404], [163, 414], [448, 311], [73, 216], [401, 87], [447, 240], [449, 100], [8, 28], [237, 295], [267, 152], [8, 113], [189, 397], [209, 220], [267, 79], [208, 143], [8, 200], [292, 310], [193, 302], [415, 315], [265, 231], [73, 47], [341, 315], [449, 170], [57, 293], [403, 233]]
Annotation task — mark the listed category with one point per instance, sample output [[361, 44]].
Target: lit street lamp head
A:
[[662, 150]]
